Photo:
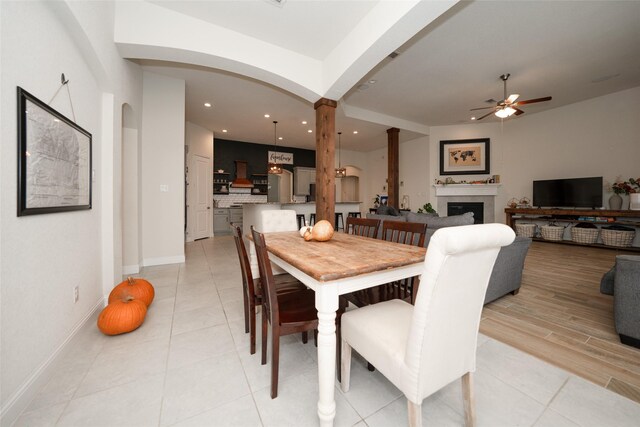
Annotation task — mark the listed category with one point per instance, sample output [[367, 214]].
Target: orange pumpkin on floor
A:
[[121, 316], [136, 287]]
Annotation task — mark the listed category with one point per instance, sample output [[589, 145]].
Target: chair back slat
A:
[[269, 295], [409, 233], [366, 227]]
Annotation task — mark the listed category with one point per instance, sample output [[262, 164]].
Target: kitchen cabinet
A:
[[302, 178], [221, 222], [235, 216]]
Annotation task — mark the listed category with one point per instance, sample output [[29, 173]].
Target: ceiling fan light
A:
[[505, 112]]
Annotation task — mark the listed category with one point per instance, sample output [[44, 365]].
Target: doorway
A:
[[199, 200]]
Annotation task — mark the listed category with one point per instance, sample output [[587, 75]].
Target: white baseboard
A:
[[130, 269], [163, 260], [21, 399]]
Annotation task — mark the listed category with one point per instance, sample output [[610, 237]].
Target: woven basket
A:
[[552, 232], [618, 238], [584, 235], [525, 229]]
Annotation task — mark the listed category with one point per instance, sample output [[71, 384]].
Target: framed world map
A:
[[465, 157]]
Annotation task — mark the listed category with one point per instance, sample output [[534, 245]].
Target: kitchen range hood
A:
[[241, 180]]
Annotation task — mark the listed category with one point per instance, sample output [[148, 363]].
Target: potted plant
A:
[[427, 208], [630, 187]]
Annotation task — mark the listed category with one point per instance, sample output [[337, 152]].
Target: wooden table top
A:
[[343, 256]]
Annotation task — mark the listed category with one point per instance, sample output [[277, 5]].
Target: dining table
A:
[[343, 264]]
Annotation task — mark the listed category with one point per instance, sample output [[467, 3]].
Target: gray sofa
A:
[[433, 222], [623, 282], [507, 271]]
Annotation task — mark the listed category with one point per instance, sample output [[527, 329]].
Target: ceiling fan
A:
[[508, 106]]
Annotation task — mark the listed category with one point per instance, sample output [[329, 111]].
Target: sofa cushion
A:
[[435, 222], [387, 210]]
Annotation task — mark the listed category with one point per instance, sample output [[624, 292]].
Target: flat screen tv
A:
[[568, 193]]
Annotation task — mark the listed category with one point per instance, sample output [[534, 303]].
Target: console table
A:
[[628, 218]]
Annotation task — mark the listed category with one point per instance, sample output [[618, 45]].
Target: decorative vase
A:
[[615, 202], [634, 201]]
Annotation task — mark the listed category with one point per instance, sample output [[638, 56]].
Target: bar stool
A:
[[354, 214], [339, 219], [312, 219], [300, 219]]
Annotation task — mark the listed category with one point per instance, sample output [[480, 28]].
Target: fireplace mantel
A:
[[467, 189]]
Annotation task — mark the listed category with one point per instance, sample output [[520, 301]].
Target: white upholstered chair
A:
[[271, 221], [422, 348]]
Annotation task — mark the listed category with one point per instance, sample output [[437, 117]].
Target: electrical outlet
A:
[[76, 294]]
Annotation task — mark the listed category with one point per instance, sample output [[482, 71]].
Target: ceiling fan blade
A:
[[481, 108], [488, 114], [532, 101], [512, 98], [518, 111]]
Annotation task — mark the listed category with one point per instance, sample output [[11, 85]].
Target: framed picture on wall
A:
[[54, 160], [465, 157]]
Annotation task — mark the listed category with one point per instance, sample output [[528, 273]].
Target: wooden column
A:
[[325, 159], [393, 177]]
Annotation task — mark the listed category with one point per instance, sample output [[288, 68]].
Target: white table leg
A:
[[327, 304]]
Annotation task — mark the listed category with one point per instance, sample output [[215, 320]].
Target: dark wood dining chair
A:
[[366, 227], [253, 289], [408, 233], [287, 313]]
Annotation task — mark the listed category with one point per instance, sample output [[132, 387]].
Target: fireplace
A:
[[459, 208], [482, 195]]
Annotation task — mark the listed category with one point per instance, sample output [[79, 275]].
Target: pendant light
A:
[[340, 171], [274, 167]]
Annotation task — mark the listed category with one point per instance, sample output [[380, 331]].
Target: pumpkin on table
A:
[[122, 315], [136, 287]]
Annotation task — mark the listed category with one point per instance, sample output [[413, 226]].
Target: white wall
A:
[[200, 142], [44, 257], [163, 137], [597, 137], [130, 201]]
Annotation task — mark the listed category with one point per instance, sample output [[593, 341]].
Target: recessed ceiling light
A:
[[304, 122], [473, 118], [280, 138], [224, 131], [207, 104], [267, 116], [372, 81], [309, 131], [355, 131]]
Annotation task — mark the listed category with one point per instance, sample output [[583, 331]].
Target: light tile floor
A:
[[189, 365]]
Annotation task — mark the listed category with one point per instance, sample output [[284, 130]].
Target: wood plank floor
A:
[[560, 316]]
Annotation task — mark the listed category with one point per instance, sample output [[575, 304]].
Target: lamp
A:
[[340, 171], [274, 167], [505, 112]]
